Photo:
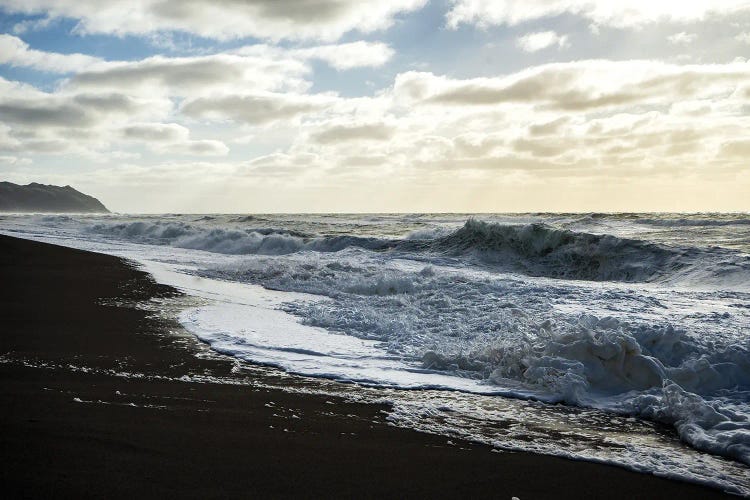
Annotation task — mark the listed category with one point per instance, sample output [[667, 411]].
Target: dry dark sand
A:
[[184, 439]]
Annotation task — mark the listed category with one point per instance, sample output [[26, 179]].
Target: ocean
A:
[[617, 338]]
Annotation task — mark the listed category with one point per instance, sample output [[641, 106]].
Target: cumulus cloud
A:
[[52, 113], [257, 85], [86, 123], [682, 38], [349, 55], [224, 19], [573, 120], [339, 133], [263, 66], [205, 147], [555, 117], [31, 25], [533, 42], [578, 86], [186, 75], [156, 132], [251, 68], [548, 128], [633, 13], [172, 138], [255, 109], [39, 109], [16, 52]]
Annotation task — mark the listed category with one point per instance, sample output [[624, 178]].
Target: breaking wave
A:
[[233, 241], [541, 250], [531, 249]]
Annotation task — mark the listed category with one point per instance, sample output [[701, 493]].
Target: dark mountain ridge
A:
[[46, 198]]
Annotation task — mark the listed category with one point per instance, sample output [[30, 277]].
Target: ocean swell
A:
[[540, 250]]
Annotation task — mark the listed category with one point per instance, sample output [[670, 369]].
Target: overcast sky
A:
[[380, 105]]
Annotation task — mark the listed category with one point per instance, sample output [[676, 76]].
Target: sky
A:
[[246, 106]]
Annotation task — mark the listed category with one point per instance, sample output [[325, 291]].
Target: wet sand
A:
[[74, 425]]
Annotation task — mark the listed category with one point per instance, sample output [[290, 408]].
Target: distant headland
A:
[[46, 198]]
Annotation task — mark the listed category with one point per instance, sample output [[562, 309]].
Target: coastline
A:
[[74, 425]]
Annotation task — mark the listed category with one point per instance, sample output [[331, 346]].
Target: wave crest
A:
[[540, 250], [234, 241]]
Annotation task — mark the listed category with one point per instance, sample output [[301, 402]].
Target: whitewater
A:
[[619, 338]]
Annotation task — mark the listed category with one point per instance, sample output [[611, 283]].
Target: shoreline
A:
[[74, 424]]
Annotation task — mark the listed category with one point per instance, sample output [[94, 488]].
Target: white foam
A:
[[245, 321], [413, 327], [272, 337]]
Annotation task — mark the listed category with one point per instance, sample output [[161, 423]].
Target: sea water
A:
[[621, 338]]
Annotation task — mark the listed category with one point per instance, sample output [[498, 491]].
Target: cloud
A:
[[56, 114], [156, 132], [540, 147], [224, 19], [743, 37], [343, 56], [39, 109], [548, 128], [578, 86], [172, 138], [578, 120], [187, 75], [250, 68], [682, 38], [738, 149], [574, 121], [14, 160], [31, 25], [16, 52], [88, 123], [101, 97], [281, 163], [199, 148], [28, 108], [533, 42], [349, 55], [261, 66], [629, 14], [117, 103], [352, 132], [255, 109]]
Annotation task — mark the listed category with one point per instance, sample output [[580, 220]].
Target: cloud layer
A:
[[633, 13], [298, 111], [224, 19]]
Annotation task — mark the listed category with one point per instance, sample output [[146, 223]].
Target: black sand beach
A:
[[73, 426]]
